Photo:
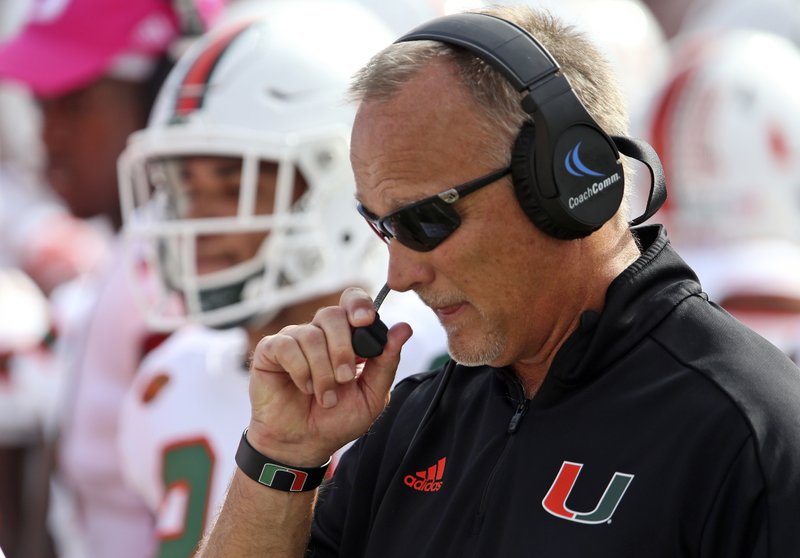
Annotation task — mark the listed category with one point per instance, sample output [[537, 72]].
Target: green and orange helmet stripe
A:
[[193, 88]]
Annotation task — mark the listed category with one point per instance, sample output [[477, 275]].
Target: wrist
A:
[[276, 474], [299, 453]]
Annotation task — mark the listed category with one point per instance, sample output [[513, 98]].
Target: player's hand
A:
[[309, 393]]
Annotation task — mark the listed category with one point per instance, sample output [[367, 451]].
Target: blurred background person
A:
[[240, 196], [726, 123], [93, 68], [37, 232]]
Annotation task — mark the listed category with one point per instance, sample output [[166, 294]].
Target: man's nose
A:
[[408, 269]]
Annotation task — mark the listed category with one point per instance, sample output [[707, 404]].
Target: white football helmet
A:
[[727, 127], [781, 17], [268, 90]]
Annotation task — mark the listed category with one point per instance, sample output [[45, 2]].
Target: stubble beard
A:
[[474, 352], [483, 347]]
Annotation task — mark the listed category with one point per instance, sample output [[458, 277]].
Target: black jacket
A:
[[664, 428]]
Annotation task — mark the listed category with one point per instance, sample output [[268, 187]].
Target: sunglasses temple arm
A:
[[368, 341]]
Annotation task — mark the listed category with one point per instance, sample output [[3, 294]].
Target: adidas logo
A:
[[429, 480]]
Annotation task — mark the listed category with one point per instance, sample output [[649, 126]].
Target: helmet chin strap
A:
[[219, 297], [214, 298], [644, 152]]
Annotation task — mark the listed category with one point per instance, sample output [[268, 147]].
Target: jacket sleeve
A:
[[749, 518], [345, 504], [330, 512]]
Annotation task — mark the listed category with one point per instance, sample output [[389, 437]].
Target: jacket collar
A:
[[636, 302]]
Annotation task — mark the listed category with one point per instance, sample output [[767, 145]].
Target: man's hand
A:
[[310, 393]]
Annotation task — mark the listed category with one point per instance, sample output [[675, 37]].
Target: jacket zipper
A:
[[522, 408], [513, 426]]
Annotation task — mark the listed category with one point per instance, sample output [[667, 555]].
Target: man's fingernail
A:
[[329, 399], [361, 314], [344, 373]]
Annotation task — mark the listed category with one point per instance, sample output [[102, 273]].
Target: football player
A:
[[240, 196]]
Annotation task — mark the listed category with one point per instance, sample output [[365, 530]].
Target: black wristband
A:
[[265, 470]]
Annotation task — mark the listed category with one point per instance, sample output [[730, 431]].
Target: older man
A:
[[597, 404]]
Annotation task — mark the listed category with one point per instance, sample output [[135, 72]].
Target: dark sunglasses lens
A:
[[423, 227]]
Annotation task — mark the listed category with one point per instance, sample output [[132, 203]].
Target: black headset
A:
[[567, 173]]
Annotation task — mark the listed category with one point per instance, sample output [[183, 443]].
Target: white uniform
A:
[[101, 346], [181, 422]]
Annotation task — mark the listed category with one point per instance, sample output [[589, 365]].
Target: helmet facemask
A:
[[254, 244], [267, 92]]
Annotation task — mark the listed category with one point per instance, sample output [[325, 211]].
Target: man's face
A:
[[84, 132], [209, 187], [494, 283]]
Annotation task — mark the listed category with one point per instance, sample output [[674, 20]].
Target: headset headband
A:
[[562, 127]]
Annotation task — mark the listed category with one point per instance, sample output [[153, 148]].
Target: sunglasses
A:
[[426, 223]]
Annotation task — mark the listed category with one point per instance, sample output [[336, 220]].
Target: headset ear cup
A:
[[523, 175]]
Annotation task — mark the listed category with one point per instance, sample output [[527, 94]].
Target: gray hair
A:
[[585, 67]]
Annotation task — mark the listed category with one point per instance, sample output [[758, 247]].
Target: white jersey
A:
[[100, 345], [179, 428], [182, 420]]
